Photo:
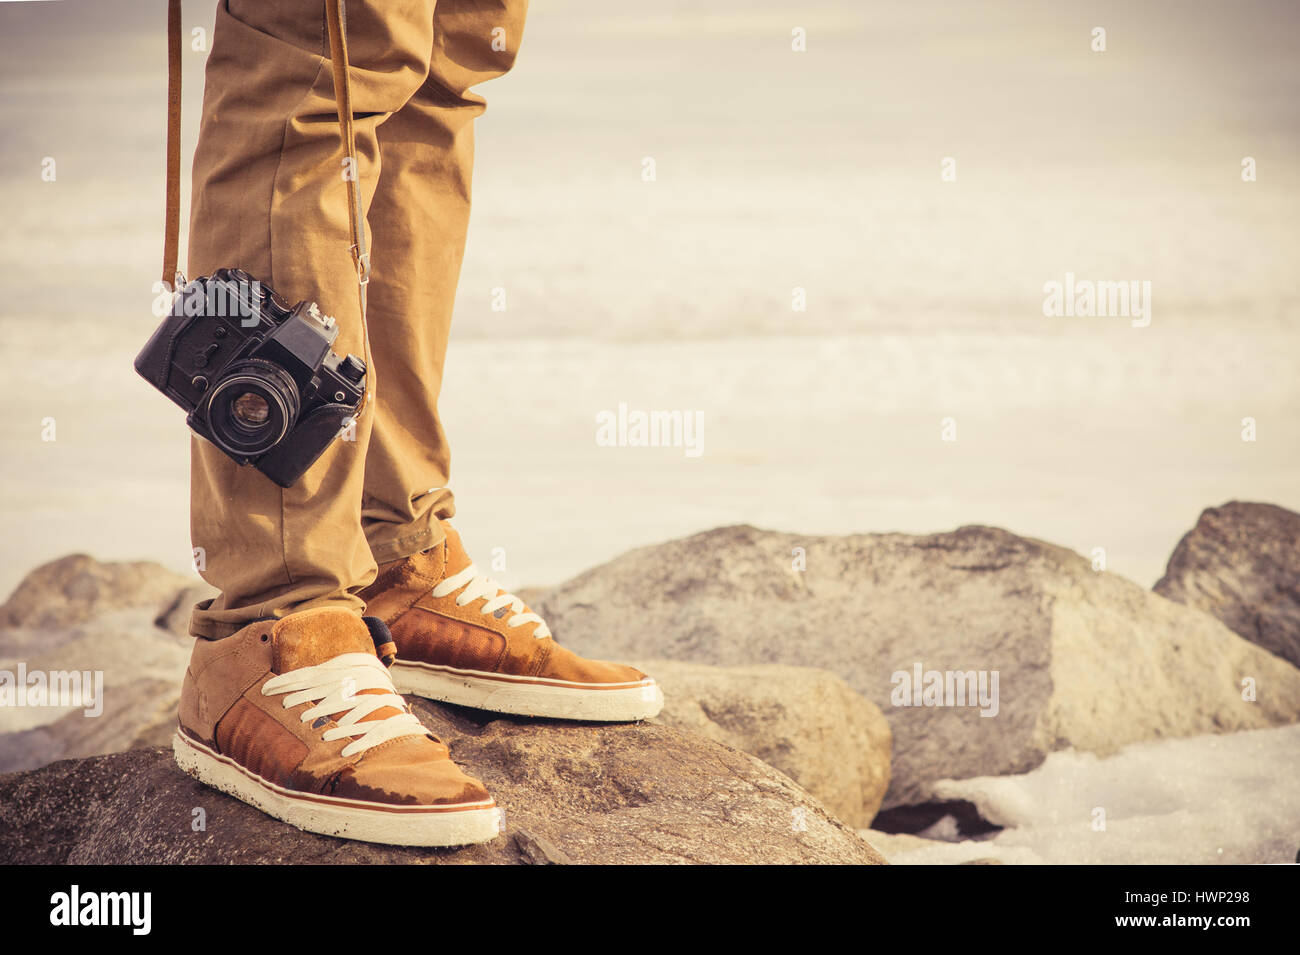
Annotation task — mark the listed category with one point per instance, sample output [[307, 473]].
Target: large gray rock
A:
[[1241, 563], [1085, 659], [174, 615], [136, 713], [571, 793], [139, 666], [78, 588], [77, 615], [807, 723]]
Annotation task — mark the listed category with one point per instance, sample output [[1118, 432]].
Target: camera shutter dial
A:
[[353, 369]]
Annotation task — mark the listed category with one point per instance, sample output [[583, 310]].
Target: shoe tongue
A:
[[312, 637]]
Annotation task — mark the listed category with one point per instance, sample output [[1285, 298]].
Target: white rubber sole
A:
[[530, 696], [454, 825]]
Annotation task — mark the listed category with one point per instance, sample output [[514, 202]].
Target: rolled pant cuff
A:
[[208, 624], [386, 551]]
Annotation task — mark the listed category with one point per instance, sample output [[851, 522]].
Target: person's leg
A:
[[459, 636], [297, 714], [269, 197], [420, 213]]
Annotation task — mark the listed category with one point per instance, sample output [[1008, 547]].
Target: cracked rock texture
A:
[[637, 793], [1241, 564], [1085, 658]]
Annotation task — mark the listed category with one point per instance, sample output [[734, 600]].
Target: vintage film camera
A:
[[257, 377]]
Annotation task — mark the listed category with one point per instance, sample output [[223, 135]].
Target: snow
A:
[[1228, 799]]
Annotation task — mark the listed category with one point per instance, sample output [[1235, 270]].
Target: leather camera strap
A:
[[171, 230], [336, 20]]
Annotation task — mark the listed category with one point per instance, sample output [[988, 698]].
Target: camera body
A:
[[257, 376]]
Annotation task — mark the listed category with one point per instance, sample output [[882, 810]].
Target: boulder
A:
[[807, 723], [1241, 564], [140, 666], [78, 588], [136, 713], [174, 616], [1084, 658], [96, 619], [639, 793]]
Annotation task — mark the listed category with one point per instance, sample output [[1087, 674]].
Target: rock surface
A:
[[1085, 659], [78, 615], [807, 723], [1241, 564], [174, 616], [141, 667], [78, 588], [637, 793]]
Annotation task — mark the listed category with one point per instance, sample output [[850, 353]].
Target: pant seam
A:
[[270, 232]]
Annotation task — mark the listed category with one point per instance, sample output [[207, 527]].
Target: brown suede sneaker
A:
[[462, 639], [299, 718]]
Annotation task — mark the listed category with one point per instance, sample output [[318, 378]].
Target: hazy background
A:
[[775, 169]]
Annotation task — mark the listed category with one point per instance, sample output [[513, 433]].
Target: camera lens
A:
[[252, 408]]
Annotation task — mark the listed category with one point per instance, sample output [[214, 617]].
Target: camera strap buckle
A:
[[363, 266]]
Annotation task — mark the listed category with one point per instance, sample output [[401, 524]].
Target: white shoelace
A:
[[335, 687], [479, 585]]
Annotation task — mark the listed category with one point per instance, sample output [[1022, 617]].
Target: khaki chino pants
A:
[[269, 197]]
